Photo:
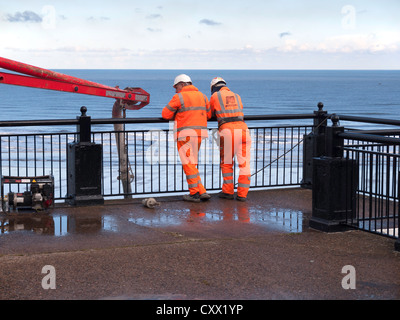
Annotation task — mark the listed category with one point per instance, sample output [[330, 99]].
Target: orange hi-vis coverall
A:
[[234, 139], [190, 109]]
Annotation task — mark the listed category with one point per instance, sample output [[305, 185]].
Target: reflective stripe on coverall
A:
[[188, 150]]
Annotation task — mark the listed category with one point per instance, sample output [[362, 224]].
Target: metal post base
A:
[[84, 174], [397, 245], [83, 201], [328, 226]]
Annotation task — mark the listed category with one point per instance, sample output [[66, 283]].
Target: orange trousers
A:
[[188, 150], [235, 140]]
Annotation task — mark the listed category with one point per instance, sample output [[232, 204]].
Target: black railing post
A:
[[333, 145], [84, 128], [334, 184], [84, 166], [314, 145], [320, 118]]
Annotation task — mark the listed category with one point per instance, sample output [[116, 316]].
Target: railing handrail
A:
[[32, 123], [368, 120], [384, 132], [369, 138], [94, 121]]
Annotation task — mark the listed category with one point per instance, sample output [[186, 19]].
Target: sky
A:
[[185, 34]]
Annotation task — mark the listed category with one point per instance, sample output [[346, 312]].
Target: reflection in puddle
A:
[[61, 225], [40, 224], [286, 220]]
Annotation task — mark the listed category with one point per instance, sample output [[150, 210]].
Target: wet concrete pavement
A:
[[221, 249]]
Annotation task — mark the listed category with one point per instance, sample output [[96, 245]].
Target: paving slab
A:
[[261, 249]]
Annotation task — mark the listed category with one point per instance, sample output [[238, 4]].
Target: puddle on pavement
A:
[[284, 220], [290, 221]]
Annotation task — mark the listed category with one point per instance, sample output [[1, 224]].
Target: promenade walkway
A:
[[221, 249]]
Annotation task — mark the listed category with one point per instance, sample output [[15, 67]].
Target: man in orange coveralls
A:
[[190, 109], [235, 139]]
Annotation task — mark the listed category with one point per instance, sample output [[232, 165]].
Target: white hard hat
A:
[[182, 78], [217, 80]]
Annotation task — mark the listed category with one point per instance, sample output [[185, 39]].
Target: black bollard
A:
[[334, 185], [84, 166]]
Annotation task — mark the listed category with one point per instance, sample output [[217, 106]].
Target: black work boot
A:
[[243, 199], [192, 197], [205, 196], [225, 196]]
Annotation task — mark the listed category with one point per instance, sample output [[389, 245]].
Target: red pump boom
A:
[[130, 98], [133, 98]]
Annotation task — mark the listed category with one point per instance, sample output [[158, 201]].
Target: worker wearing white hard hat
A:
[[180, 81], [235, 139], [190, 109], [217, 82]]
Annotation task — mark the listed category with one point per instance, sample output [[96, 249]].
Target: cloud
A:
[[154, 16], [209, 22], [284, 34], [247, 57], [71, 49], [98, 18], [362, 11], [154, 30], [26, 16], [349, 43]]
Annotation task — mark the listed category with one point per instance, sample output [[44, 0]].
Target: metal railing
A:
[[153, 165], [378, 161]]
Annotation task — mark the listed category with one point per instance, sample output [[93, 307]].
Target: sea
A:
[[369, 93]]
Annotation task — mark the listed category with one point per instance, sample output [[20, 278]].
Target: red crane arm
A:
[[135, 98]]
